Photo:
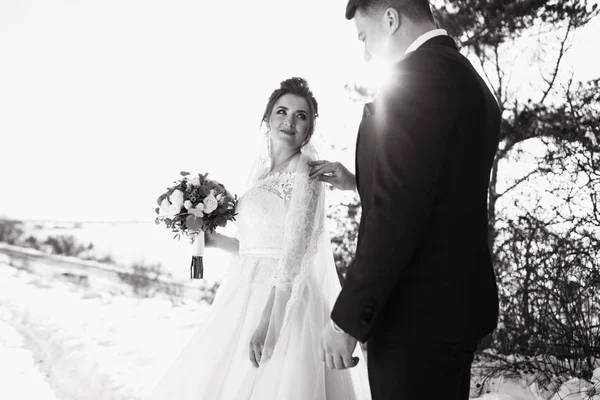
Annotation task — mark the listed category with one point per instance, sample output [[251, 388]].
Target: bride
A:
[[261, 338]]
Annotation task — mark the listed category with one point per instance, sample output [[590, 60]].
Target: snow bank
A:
[[94, 345], [98, 346]]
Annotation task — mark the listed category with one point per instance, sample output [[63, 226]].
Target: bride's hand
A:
[[211, 239], [218, 241], [260, 352]]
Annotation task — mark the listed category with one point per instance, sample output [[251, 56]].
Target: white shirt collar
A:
[[425, 37]]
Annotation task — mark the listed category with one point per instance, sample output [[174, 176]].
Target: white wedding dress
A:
[[283, 244]]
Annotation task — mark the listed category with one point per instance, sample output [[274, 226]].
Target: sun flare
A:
[[374, 74]]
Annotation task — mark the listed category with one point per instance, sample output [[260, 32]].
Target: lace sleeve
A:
[[299, 235], [299, 231], [298, 273]]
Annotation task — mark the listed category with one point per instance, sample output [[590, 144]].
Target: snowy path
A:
[[95, 346], [20, 377]]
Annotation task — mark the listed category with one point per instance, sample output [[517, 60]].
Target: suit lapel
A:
[[368, 112], [356, 177]]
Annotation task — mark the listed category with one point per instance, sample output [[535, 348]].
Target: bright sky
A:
[[102, 103]]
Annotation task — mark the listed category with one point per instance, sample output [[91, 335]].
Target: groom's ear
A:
[[392, 20]]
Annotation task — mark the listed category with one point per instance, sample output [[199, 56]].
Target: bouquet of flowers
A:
[[191, 207]]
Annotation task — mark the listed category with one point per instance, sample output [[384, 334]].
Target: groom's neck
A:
[[406, 35]]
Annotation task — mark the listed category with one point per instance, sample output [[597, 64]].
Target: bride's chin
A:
[[286, 135], [285, 138], [285, 143]]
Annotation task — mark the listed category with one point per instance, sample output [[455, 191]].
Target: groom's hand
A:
[[333, 173], [336, 349]]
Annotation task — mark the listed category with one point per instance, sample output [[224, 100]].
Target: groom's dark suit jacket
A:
[[422, 269]]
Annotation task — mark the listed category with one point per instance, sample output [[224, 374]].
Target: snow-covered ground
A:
[[60, 341], [20, 376], [93, 346]]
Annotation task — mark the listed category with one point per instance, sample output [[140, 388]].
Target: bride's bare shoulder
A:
[[300, 162], [292, 165]]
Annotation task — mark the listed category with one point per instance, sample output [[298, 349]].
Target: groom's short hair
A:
[[415, 10]]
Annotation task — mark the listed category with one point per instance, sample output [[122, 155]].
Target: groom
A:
[[421, 289]]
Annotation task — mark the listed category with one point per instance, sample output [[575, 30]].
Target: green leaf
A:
[[184, 173], [161, 198], [193, 223]]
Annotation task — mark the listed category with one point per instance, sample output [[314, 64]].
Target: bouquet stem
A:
[[197, 268], [197, 265]]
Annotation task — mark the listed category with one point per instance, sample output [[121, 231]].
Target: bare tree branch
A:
[[482, 58], [499, 71], [561, 54], [539, 169]]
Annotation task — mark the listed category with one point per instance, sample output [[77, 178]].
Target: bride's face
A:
[[290, 121]]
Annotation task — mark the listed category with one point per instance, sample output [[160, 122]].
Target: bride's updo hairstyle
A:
[[298, 87]]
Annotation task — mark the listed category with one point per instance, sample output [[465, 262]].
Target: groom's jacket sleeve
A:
[[415, 116]]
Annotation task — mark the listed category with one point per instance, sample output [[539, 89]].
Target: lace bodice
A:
[[277, 220], [280, 229], [261, 215]]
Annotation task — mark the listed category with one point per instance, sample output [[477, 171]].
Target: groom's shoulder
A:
[[443, 46], [432, 56], [425, 66], [435, 61]]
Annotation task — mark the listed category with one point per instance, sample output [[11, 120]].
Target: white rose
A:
[[220, 198], [187, 204], [200, 207], [195, 181], [164, 206], [176, 198], [196, 213], [210, 204], [173, 211]]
